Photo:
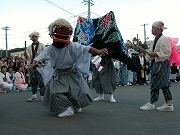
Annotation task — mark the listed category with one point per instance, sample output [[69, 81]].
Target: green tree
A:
[[138, 42]]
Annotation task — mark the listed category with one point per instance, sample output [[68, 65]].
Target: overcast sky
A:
[[23, 17]]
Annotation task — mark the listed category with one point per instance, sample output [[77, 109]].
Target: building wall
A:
[[19, 54]]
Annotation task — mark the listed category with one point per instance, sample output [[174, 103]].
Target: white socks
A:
[[70, 109], [112, 100], [99, 98], [111, 96], [34, 96], [101, 95], [68, 112]]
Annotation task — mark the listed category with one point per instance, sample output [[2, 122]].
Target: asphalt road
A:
[[18, 117]]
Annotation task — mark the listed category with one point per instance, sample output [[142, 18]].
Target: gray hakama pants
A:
[[67, 88], [105, 81]]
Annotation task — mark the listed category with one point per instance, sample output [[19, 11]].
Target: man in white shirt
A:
[[35, 77]]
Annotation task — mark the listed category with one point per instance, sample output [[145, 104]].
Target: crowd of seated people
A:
[[13, 74]]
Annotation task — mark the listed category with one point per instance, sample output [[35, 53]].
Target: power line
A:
[[78, 6], [95, 14], [79, 10], [89, 2], [103, 3], [109, 8], [59, 7], [48, 17], [100, 6]]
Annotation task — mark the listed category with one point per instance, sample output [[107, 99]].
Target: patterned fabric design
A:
[[160, 72], [67, 88], [84, 31], [166, 93], [59, 103], [88, 31], [107, 28], [103, 32], [106, 80], [36, 81]]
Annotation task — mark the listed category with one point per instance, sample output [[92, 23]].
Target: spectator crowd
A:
[[14, 74]]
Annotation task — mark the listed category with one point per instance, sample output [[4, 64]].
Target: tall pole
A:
[[6, 28], [89, 2], [137, 40], [144, 25]]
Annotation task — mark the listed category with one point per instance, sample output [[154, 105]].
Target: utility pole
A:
[[144, 25], [89, 2], [137, 40], [6, 28]]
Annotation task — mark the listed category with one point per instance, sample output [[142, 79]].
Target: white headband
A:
[[159, 25]]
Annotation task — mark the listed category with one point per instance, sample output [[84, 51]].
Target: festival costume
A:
[[67, 90], [67, 86], [35, 77], [160, 69], [160, 72], [39, 47], [105, 81], [103, 33]]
